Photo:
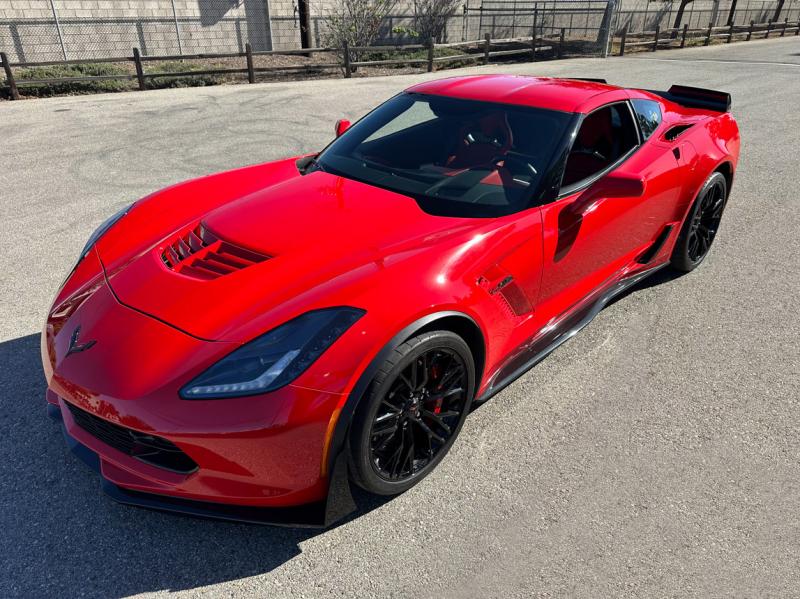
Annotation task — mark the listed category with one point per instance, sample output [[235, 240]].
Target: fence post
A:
[[708, 34], [251, 74], [561, 42], [606, 33], [797, 31], [137, 60], [730, 34], [622, 41], [58, 29], [346, 51], [9, 76], [487, 40], [683, 37], [769, 28], [533, 35], [177, 29], [785, 25], [750, 31], [655, 39], [430, 55]]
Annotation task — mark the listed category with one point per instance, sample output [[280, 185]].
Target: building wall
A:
[[110, 28], [103, 28]]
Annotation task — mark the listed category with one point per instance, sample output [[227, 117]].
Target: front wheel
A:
[[412, 413], [702, 223]]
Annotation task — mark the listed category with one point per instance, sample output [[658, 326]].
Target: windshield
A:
[[455, 157]]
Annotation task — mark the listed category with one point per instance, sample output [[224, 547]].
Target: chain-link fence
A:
[[41, 30], [46, 30], [584, 18], [645, 16]]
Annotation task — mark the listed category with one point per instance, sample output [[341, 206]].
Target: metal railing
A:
[[680, 37]]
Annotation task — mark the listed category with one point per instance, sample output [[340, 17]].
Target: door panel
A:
[[591, 235]]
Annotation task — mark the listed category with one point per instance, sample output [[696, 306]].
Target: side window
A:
[[604, 137], [648, 113]]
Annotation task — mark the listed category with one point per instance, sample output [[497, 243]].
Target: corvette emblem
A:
[[74, 346]]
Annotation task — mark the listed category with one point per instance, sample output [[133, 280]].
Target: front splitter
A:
[[321, 514]]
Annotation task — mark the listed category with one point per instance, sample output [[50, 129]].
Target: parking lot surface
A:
[[655, 454]]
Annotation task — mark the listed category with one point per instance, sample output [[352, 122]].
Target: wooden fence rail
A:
[[349, 59]]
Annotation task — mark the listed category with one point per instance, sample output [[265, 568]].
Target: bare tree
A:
[[356, 22], [431, 16]]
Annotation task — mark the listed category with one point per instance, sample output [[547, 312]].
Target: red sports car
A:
[[245, 344]]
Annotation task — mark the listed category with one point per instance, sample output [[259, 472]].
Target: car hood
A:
[[305, 242]]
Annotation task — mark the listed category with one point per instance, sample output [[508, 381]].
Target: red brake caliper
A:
[[437, 406]]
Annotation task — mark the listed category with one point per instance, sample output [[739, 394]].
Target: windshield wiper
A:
[[307, 163]]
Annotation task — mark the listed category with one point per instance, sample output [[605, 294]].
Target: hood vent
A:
[[200, 254]]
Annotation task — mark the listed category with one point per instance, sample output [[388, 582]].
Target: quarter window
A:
[[648, 113]]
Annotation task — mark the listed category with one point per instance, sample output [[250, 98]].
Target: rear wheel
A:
[[412, 413], [701, 224]]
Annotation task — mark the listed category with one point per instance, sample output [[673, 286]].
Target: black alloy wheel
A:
[[701, 225], [415, 409]]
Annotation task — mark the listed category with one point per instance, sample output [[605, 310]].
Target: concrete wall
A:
[[108, 28], [101, 28]]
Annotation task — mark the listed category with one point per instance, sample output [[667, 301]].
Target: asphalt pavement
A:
[[656, 454]]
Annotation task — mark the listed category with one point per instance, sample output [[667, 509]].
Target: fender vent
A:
[[516, 299], [200, 254], [674, 132], [502, 286]]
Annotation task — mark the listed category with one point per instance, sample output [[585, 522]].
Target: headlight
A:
[[101, 230], [276, 358]]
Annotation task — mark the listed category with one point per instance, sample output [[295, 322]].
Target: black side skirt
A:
[[538, 348]]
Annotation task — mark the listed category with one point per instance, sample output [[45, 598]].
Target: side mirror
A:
[[342, 125], [619, 185]]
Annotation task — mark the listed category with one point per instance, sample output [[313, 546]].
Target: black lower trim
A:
[[538, 348], [321, 514], [310, 515], [652, 251]]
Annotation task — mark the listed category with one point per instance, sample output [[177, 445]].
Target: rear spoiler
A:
[[697, 97], [590, 79]]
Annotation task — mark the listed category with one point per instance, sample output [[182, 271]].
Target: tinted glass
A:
[[648, 113], [455, 157], [604, 137]]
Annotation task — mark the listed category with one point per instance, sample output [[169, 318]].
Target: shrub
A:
[[73, 87], [431, 16], [356, 22]]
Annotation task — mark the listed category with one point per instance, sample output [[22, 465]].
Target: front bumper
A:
[[266, 452], [337, 504]]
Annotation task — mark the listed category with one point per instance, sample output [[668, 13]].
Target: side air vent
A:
[[674, 132], [201, 254], [505, 290], [655, 247]]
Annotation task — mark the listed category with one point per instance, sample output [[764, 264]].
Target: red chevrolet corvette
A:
[[245, 344]]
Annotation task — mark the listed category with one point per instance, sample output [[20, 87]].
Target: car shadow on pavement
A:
[[63, 535]]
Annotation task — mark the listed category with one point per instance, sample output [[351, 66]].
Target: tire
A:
[[407, 422], [700, 227]]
